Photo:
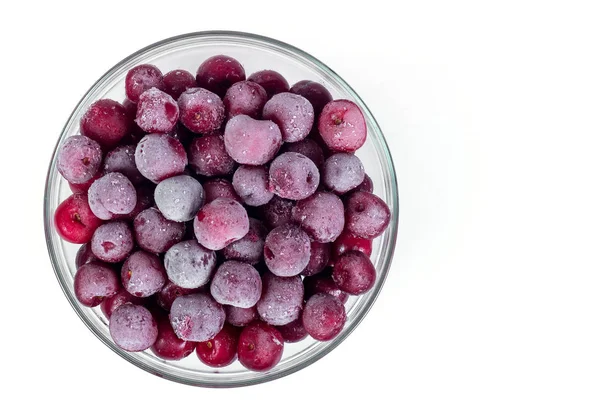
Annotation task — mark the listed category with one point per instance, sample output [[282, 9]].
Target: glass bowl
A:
[[255, 53]]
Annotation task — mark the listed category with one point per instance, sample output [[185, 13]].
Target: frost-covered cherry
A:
[[218, 73], [79, 159], [122, 159], [167, 345], [248, 249], [251, 183], [141, 78], [221, 222], [323, 317], [236, 284], [201, 111], [237, 316], [246, 98], [179, 198], [154, 233], [251, 142], [367, 215], [342, 126], [343, 172], [354, 273], [281, 300], [292, 113], [307, 147], [319, 257], [94, 282], [196, 317], [158, 157], [189, 265], [293, 176], [105, 122], [217, 188], [277, 212], [157, 112], [272, 81], [321, 216], [112, 195], [84, 255], [287, 250], [314, 92], [143, 274], [112, 241], [178, 81], [133, 328], [293, 332], [208, 156]]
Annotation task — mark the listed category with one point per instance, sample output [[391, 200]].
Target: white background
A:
[[492, 112]]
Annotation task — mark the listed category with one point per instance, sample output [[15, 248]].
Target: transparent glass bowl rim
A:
[[390, 184]]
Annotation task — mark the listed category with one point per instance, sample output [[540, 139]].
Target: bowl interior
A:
[[255, 53]]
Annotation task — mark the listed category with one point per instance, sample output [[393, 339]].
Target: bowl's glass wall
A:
[[255, 53]]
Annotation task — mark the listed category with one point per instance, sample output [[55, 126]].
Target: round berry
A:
[[122, 159], [158, 157], [314, 92], [79, 159], [343, 172], [367, 216], [133, 327], [84, 255], [287, 250], [179, 198], [94, 282], [112, 242], [154, 233], [323, 317], [292, 113], [208, 156], [251, 183], [106, 122], [342, 126], [347, 241], [277, 212], [143, 274], [321, 216], [272, 81], [221, 350], [293, 176], [252, 142], [237, 316], [219, 188], [281, 300], [168, 346], [293, 332], [366, 185], [246, 98], [236, 284], [157, 112], [74, 220], [177, 82], [113, 194], [201, 111], [354, 273], [248, 249], [110, 304], [220, 223], [189, 265], [196, 317], [309, 148], [141, 78], [319, 257], [260, 347], [169, 293], [218, 73]]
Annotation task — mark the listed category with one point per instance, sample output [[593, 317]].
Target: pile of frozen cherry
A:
[[220, 213]]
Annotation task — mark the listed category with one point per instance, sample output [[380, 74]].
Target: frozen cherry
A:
[[281, 300], [313, 92], [112, 241], [272, 81], [169, 293], [287, 250], [208, 156], [354, 273], [221, 222], [260, 347], [221, 350], [309, 148], [236, 284], [277, 212], [219, 188], [168, 346], [321, 216], [189, 265], [246, 98], [94, 282], [84, 255], [154, 233], [252, 142], [141, 78], [319, 257], [179, 198], [178, 81], [292, 113], [237, 316], [347, 241], [323, 317], [293, 176], [79, 159], [367, 215], [251, 183], [122, 159], [293, 332], [143, 274], [343, 172], [323, 283], [157, 112], [342, 126], [110, 304], [248, 249], [112, 194], [158, 157], [218, 73], [133, 328], [201, 111], [74, 220], [106, 122], [196, 317]]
